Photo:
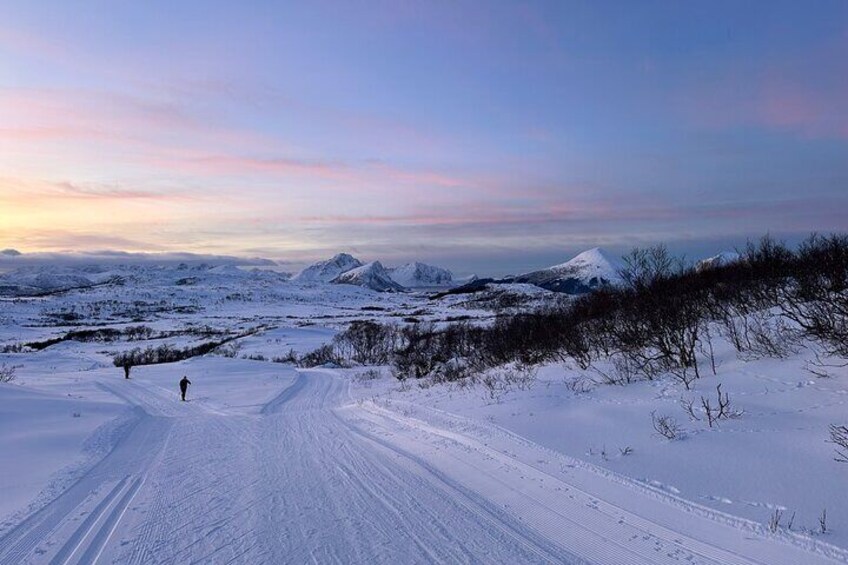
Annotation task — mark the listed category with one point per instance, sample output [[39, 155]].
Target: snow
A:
[[325, 271], [420, 275], [269, 463], [723, 258], [587, 271], [591, 264], [372, 275]]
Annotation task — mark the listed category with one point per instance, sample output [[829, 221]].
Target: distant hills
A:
[[344, 268], [587, 271]]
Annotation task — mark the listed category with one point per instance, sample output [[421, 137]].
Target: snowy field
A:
[[271, 463]]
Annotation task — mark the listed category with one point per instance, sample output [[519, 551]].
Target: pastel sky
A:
[[484, 136]]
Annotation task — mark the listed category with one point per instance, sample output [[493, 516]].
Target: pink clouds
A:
[[352, 176], [577, 213], [166, 134]]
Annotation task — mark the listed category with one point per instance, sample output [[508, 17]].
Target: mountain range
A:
[[591, 269]]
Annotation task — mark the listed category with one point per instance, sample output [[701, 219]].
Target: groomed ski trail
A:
[[311, 477]]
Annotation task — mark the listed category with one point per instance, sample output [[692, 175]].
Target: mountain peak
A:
[[371, 275], [420, 275], [325, 271], [595, 258]]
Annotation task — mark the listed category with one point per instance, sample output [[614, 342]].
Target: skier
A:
[[184, 386]]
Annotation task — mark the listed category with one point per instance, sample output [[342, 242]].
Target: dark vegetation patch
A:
[[662, 321]]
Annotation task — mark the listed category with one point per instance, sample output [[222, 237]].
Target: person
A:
[[184, 386]]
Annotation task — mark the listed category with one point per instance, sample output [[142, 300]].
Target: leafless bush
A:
[[774, 520], [839, 437], [659, 323], [7, 373], [631, 366], [167, 353], [367, 343], [580, 384], [688, 405], [721, 410], [450, 371], [497, 383], [817, 298], [324, 355], [666, 426], [229, 350], [765, 334], [644, 267], [289, 357], [495, 386], [367, 375]]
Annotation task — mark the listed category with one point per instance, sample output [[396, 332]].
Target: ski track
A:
[[315, 478]]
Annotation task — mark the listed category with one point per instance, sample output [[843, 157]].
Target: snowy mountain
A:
[[326, 271], [723, 258], [372, 275], [36, 281], [419, 275], [585, 272], [465, 280]]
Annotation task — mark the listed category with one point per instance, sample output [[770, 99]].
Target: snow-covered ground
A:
[[269, 463]]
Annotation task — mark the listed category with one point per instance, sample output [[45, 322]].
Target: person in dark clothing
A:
[[184, 386]]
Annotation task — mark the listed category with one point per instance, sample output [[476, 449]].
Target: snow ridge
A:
[[326, 271], [587, 271], [720, 260], [418, 275], [372, 275]]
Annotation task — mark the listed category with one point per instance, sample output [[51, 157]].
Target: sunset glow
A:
[[296, 130]]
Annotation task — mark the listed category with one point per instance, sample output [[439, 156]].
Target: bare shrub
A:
[[580, 384], [229, 350], [817, 298], [774, 520], [839, 437], [720, 410], [496, 387], [688, 405], [644, 267], [7, 373], [167, 353], [324, 355], [367, 375], [367, 343], [289, 357], [498, 383], [666, 426]]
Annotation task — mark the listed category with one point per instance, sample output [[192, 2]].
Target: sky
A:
[[488, 137]]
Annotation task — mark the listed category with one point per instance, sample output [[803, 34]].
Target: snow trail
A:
[[312, 477]]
